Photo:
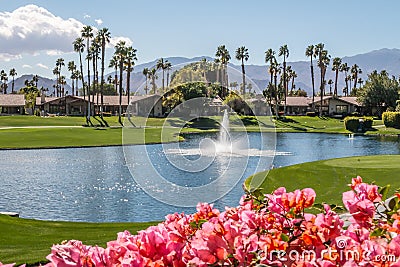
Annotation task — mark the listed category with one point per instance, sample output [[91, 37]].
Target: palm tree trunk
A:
[[313, 85], [163, 81], [244, 79], [83, 82], [284, 83], [121, 68], [94, 86], [128, 82], [336, 82]]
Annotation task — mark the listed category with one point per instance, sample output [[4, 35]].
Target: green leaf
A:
[[384, 191], [392, 203], [284, 237], [377, 232]]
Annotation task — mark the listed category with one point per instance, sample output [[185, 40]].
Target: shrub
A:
[[262, 224], [391, 119], [356, 124], [311, 114]]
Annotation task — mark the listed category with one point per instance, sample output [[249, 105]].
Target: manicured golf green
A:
[[329, 178], [30, 241]]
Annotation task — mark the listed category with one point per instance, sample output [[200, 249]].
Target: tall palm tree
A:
[[294, 76], [59, 64], [310, 53], [146, 74], [72, 68], [13, 73], [94, 50], [56, 73], [284, 51], [130, 62], [168, 67], [104, 36], [224, 57], [79, 46], [242, 54], [35, 79], [360, 82], [87, 33], [270, 58], [337, 61], [330, 82], [323, 62], [345, 68], [121, 53], [4, 79], [355, 70], [114, 63], [153, 77], [161, 65]]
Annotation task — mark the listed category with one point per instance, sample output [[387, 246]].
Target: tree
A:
[[4, 79], [168, 67], [35, 80], [72, 68], [57, 71], [323, 62], [130, 62], [87, 33], [336, 63], [146, 74], [270, 58], [330, 82], [104, 36], [13, 73], [355, 70], [153, 76], [79, 47], [242, 54], [114, 63], [379, 91], [284, 51], [345, 68], [310, 53], [294, 76], [121, 53], [223, 58], [161, 65]]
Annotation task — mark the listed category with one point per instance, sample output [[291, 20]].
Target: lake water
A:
[[96, 184]]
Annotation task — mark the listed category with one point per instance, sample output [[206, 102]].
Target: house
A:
[[258, 106], [149, 105], [12, 104], [331, 105]]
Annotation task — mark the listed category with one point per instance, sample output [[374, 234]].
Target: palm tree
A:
[[337, 61], [360, 81], [13, 73], [104, 36], [330, 82], [310, 53], [355, 70], [153, 76], [121, 53], [168, 67], [72, 68], [345, 68], [130, 62], [161, 64], [4, 79], [114, 63], [79, 46], [270, 58], [242, 54], [284, 51], [56, 72], [94, 51], [224, 57], [323, 62], [294, 76], [35, 79], [87, 33], [203, 66], [146, 74]]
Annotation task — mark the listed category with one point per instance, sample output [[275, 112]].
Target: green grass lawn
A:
[[157, 129], [329, 178], [30, 241]]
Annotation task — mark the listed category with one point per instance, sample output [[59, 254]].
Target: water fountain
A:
[[224, 143]]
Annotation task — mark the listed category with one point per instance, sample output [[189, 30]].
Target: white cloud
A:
[[115, 40], [99, 21], [26, 66], [32, 29], [40, 65], [86, 16]]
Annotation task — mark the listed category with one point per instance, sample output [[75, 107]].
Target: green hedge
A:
[[391, 119], [357, 124]]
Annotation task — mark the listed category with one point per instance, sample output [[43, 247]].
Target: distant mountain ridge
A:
[[382, 59]]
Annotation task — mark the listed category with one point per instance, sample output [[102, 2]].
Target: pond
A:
[[99, 185]]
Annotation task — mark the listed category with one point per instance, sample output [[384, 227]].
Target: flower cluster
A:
[[277, 229]]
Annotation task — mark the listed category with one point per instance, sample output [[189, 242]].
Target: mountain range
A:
[[383, 59]]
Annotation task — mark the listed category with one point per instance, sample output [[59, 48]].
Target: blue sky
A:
[[195, 28]]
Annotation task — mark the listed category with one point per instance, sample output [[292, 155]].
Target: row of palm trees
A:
[[4, 80]]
